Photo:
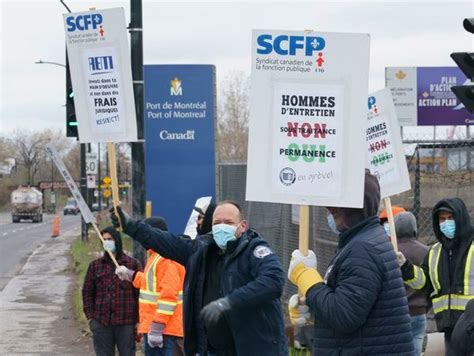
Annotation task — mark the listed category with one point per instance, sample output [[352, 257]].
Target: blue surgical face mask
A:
[[223, 233], [332, 224], [386, 227], [448, 228], [109, 245]]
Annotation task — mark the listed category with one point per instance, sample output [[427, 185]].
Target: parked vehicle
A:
[[71, 207], [27, 203]]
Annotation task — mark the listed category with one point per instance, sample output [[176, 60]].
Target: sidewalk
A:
[[36, 309]]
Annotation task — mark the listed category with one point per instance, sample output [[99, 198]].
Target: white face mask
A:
[[386, 227], [109, 245], [223, 233], [332, 224]]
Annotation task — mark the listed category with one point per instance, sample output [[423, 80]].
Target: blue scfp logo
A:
[[285, 45], [371, 101], [83, 22]]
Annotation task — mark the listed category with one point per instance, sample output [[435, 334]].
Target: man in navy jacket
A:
[[232, 285], [360, 307]]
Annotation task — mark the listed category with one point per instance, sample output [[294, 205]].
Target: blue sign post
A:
[[179, 132]]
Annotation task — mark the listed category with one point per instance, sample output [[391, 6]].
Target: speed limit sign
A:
[[91, 163]]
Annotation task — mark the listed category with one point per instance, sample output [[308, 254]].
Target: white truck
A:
[[27, 203]]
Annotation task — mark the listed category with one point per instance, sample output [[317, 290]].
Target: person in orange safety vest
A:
[[160, 300]]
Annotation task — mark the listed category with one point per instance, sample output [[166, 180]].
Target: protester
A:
[[160, 301], [204, 219], [111, 305], [447, 272], [360, 308], [384, 217], [418, 300], [232, 287]]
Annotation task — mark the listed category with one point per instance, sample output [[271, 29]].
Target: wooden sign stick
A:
[[113, 177], [391, 222], [303, 240]]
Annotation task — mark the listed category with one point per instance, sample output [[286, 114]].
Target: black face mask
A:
[[198, 230]]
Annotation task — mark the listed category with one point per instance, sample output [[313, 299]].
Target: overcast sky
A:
[[403, 33]]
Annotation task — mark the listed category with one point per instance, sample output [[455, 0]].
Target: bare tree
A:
[[72, 160], [30, 150], [233, 118]]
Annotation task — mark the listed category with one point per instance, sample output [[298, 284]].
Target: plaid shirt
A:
[[105, 297]]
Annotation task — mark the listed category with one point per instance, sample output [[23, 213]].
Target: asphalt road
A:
[[19, 240]]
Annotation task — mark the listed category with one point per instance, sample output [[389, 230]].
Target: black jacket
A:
[[452, 260], [252, 279], [361, 309]]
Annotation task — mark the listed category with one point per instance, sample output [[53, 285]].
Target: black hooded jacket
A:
[[207, 221], [452, 261]]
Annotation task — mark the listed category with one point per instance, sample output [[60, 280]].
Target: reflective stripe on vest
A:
[[469, 272], [165, 307], [451, 301], [148, 294], [148, 297], [433, 264], [433, 261], [419, 280], [168, 308], [151, 275]]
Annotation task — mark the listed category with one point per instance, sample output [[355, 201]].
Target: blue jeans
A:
[[418, 326], [166, 350]]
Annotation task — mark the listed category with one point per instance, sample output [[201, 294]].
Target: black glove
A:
[[124, 217], [215, 310]]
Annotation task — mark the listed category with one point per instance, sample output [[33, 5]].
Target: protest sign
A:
[[101, 75], [83, 207], [306, 136], [385, 154]]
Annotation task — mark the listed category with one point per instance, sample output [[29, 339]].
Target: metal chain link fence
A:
[[438, 169]]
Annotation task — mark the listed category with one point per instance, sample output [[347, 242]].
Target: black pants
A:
[[107, 337], [447, 343]]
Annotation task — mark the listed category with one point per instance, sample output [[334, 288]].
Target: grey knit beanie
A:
[[405, 224]]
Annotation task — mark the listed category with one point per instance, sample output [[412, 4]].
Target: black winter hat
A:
[[157, 222], [352, 216]]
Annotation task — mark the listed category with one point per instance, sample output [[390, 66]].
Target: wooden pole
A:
[[303, 240], [391, 223], [113, 177]]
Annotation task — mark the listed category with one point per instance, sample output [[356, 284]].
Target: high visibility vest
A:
[[457, 301], [161, 295]]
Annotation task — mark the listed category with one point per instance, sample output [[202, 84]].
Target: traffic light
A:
[[71, 122], [465, 62]]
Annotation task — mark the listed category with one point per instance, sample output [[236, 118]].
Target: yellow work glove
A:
[[298, 310], [302, 271]]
